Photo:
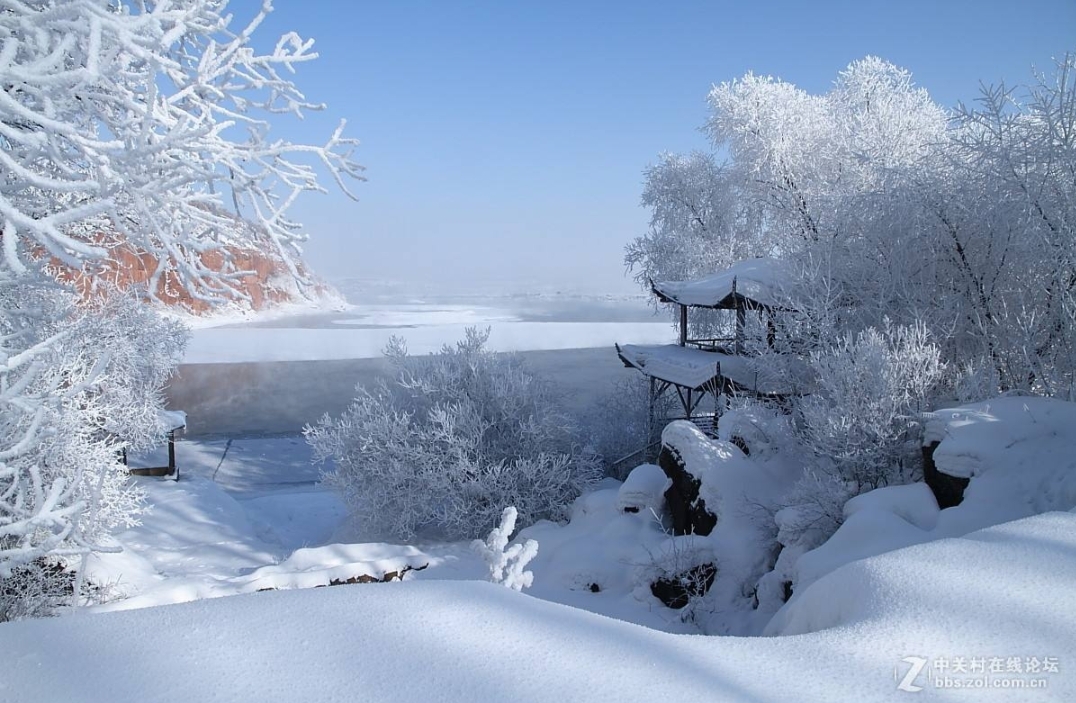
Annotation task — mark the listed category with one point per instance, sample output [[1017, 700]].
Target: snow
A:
[[683, 366], [693, 368], [1005, 590], [239, 506], [900, 579], [467, 641], [733, 486], [760, 280], [424, 315], [1020, 453], [972, 436], [248, 344], [172, 419], [643, 490], [329, 300]]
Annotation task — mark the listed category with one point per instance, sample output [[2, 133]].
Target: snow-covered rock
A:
[[1019, 454], [643, 490]]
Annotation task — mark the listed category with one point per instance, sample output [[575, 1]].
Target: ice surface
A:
[[253, 344]]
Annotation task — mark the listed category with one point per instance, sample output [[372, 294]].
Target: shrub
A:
[[449, 441], [871, 389], [619, 423]]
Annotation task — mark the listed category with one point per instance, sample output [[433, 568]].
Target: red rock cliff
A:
[[268, 282]]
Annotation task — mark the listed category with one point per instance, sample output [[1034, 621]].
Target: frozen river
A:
[[276, 375]]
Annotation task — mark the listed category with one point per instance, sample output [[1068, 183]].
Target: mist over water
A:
[[285, 372]]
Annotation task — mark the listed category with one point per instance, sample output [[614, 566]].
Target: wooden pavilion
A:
[[715, 368]]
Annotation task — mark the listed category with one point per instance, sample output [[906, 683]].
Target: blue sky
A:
[[505, 141]]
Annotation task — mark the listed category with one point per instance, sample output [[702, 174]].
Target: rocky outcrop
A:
[[948, 490], [686, 508], [677, 591]]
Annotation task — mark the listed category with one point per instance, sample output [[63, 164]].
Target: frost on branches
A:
[[506, 564], [147, 120], [452, 438], [149, 117], [77, 387]]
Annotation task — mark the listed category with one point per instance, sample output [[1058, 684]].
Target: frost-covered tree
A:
[[698, 220], [149, 116], [894, 208], [78, 386], [932, 252], [146, 119], [1018, 156], [449, 441]]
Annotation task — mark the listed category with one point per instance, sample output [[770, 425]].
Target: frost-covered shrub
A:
[[35, 589], [619, 424], [860, 430], [870, 391], [449, 440], [758, 428], [506, 564]]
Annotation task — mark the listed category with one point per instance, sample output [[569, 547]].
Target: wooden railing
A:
[[718, 344], [620, 468]]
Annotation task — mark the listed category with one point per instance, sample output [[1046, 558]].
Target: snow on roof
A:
[[693, 368], [758, 280], [682, 366], [172, 419]]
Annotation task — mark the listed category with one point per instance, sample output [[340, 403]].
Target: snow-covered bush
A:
[[449, 440], [619, 424], [860, 431], [871, 389], [506, 564], [78, 385], [759, 428]]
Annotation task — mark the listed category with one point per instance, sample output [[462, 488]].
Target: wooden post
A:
[[741, 319], [171, 452], [683, 325], [650, 414]]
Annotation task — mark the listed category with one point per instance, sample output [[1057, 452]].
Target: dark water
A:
[[252, 399]]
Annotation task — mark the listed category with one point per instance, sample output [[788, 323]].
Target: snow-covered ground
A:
[[925, 619], [221, 580], [992, 610]]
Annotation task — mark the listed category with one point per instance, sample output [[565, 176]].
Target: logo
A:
[[908, 682]]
